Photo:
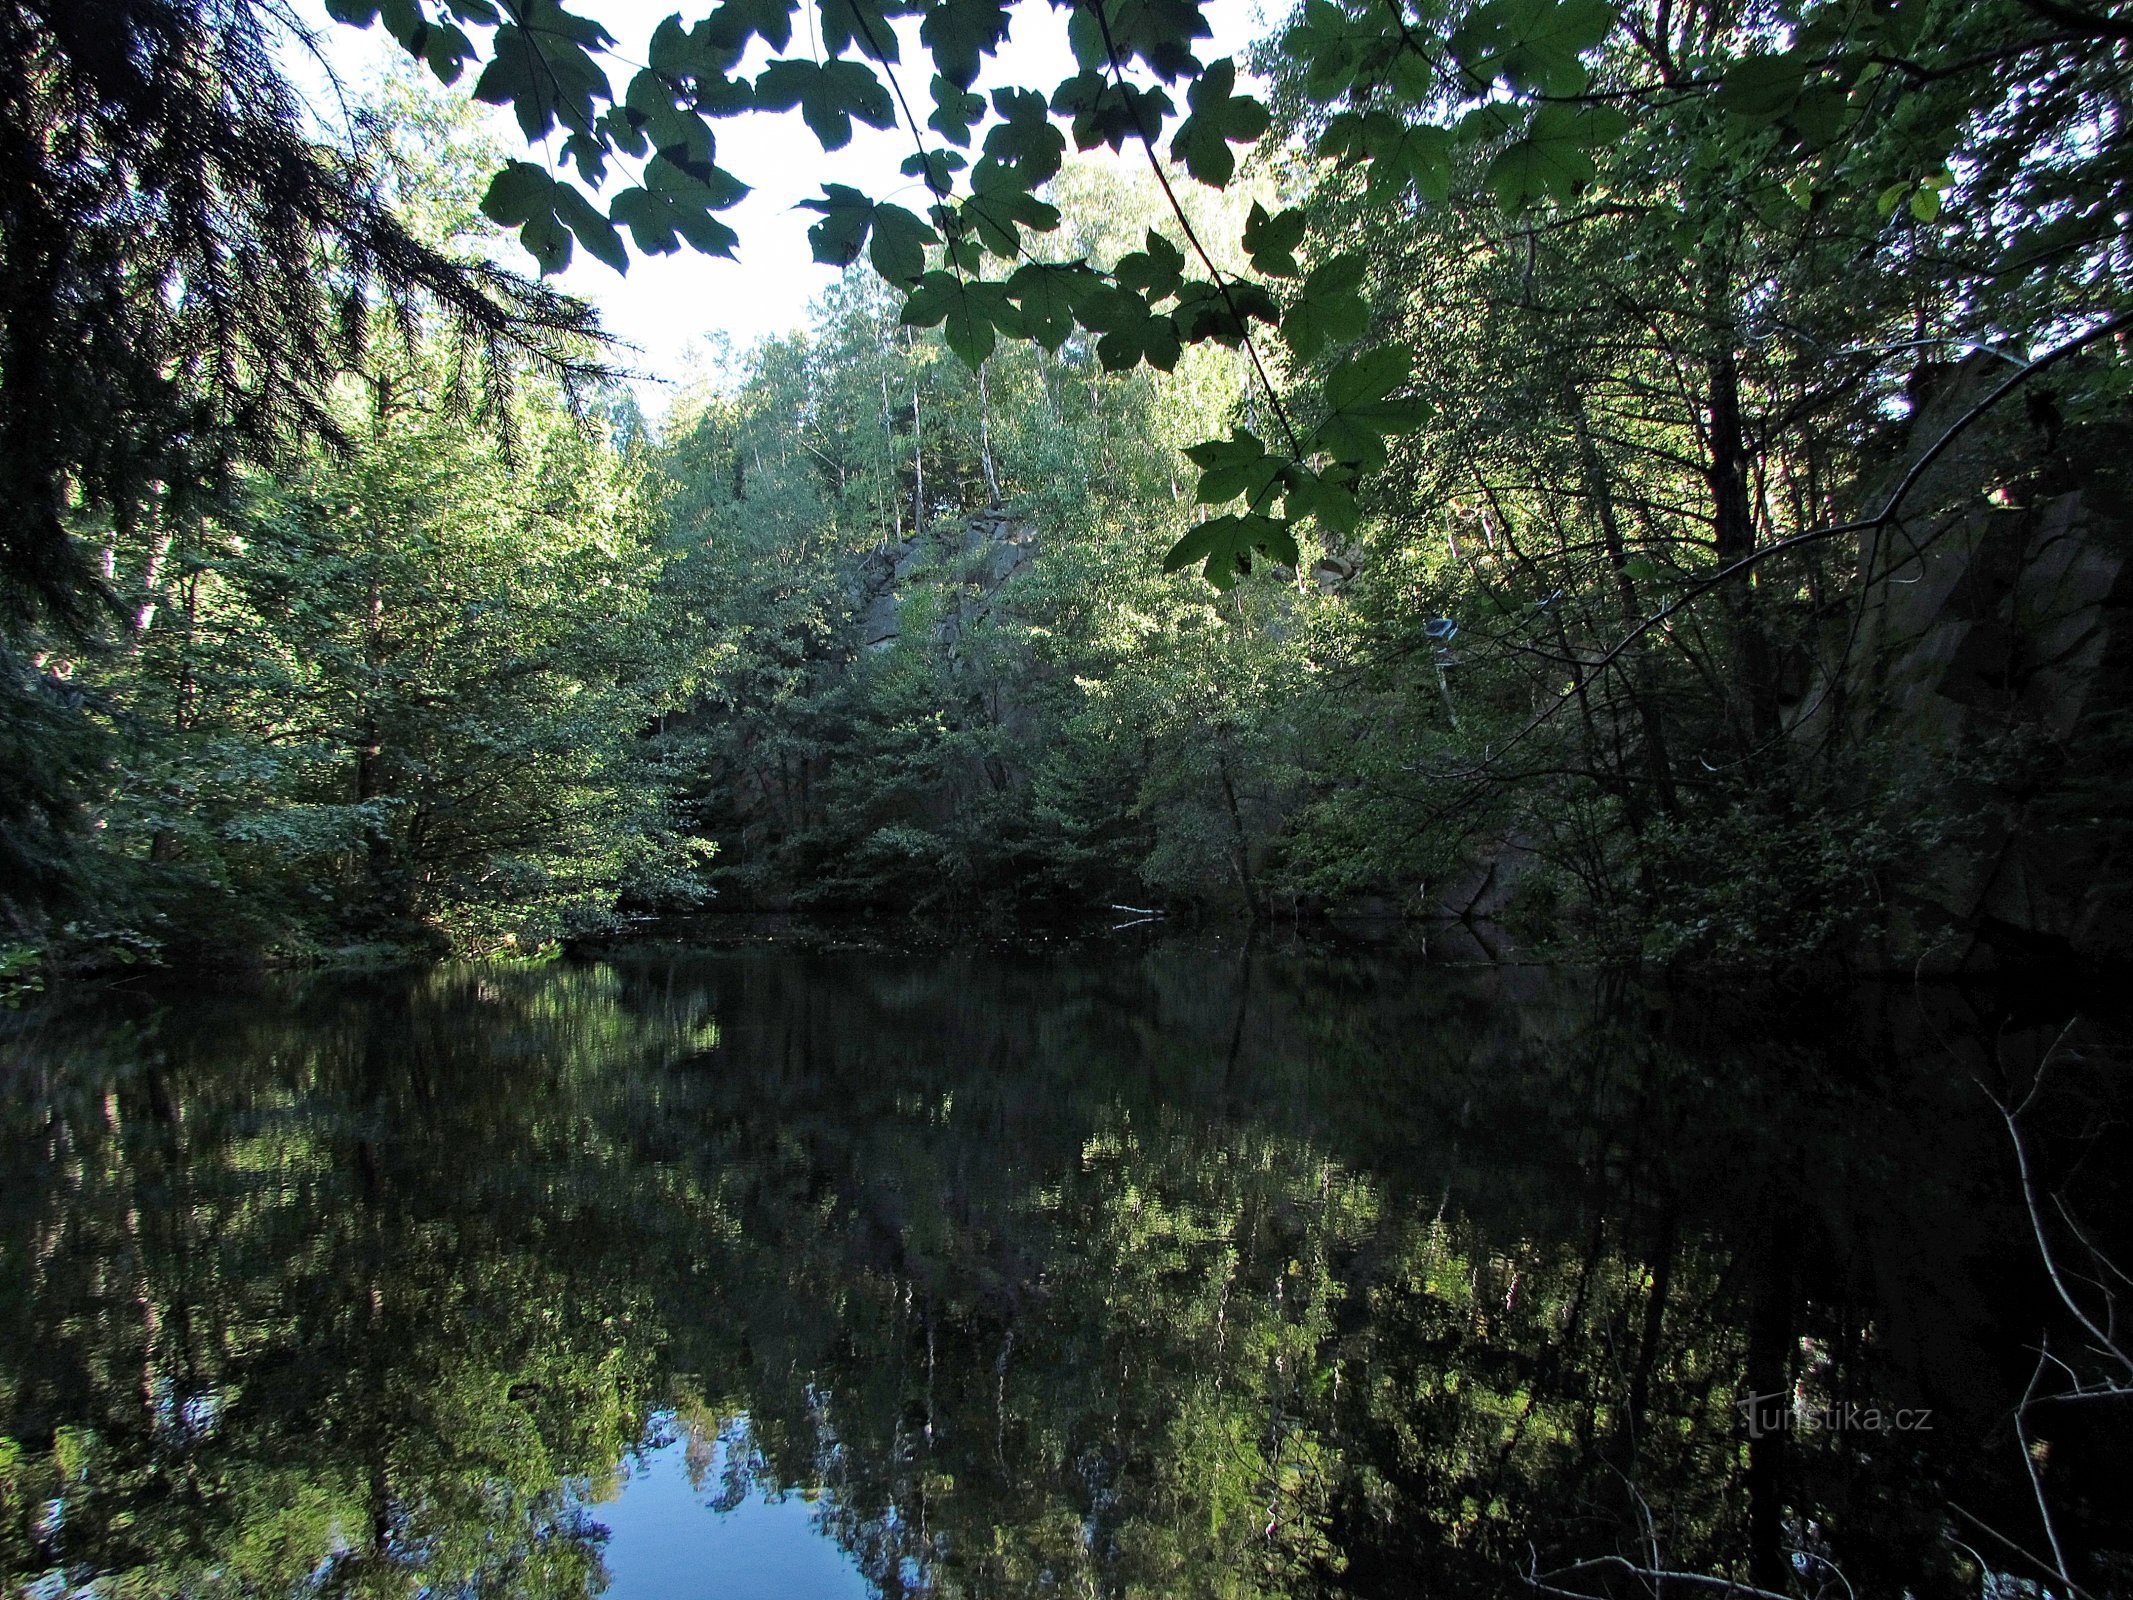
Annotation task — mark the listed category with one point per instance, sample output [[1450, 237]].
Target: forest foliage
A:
[[1468, 463]]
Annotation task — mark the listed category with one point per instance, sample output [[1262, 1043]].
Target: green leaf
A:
[[1085, 38], [1238, 465], [1110, 113], [955, 111], [1338, 49], [1330, 309], [548, 241], [1049, 296], [544, 71], [658, 121], [519, 193], [446, 51], [1132, 333], [735, 22], [1759, 88], [1111, 306], [547, 214], [1155, 271], [966, 311], [1531, 44], [405, 22], [659, 220], [1224, 314], [1025, 139], [1219, 118], [861, 25], [848, 217], [1271, 241], [676, 51], [591, 227], [1154, 341], [712, 188], [962, 250], [1329, 496], [900, 241], [555, 23], [1157, 32], [1400, 154], [829, 97], [587, 152], [995, 214], [937, 167], [960, 34], [1363, 405], [1553, 160], [1819, 115], [1225, 545]]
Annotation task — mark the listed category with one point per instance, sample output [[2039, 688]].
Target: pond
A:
[[1162, 1270]]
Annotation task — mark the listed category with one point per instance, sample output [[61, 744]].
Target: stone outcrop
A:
[[968, 563], [1991, 650], [2002, 637]]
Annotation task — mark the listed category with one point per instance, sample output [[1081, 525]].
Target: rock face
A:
[[2006, 629], [970, 560], [798, 815], [1482, 893], [1986, 664], [2007, 617]]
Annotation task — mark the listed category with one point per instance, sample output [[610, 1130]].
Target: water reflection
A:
[[1178, 1272], [688, 1521]]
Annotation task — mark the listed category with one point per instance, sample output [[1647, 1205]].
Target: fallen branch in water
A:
[[2107, 1343], [1539, 1584]]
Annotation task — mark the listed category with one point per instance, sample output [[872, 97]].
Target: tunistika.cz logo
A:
[[1779, 1412]]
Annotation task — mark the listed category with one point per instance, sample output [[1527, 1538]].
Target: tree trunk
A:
[[992, 478], [1734, 524], [1658, 769], [1239, 842]]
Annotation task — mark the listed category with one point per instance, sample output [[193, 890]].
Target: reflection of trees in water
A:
[[1186, 1274], [324, 1230]]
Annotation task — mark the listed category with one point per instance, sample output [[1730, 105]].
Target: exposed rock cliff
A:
[[1999, 645], [975, 557]]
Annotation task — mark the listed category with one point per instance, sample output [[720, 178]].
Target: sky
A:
[[666, 305]]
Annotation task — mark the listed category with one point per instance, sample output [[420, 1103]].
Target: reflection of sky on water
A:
[[667, 1543]]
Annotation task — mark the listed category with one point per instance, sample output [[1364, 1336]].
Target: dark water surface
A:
[[1155, 1272]]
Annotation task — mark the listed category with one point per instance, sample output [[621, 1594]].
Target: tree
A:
[[1650, 300], [1658, 293], [1013, 707], [1857, 107], [1711, 371], [387, 693], [405, 683], [183, 272]]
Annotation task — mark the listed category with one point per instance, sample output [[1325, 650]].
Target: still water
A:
[[1165, 1271]]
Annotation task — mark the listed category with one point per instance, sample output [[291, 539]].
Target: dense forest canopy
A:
[[1651, 472]]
